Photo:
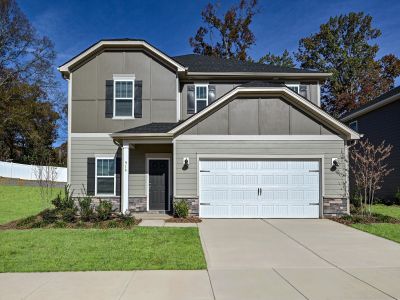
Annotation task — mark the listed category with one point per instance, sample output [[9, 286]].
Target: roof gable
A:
[[270, 90], [118, 43]]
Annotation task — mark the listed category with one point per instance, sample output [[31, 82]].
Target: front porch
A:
[[146, 182]]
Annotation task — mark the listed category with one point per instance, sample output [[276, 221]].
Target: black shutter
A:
[[109, 98], [138, 98], [212, 94], [91, 176], [190, 99], [303, 90], [118, 176]]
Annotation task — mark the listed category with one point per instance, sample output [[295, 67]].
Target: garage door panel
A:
[[259, 189]]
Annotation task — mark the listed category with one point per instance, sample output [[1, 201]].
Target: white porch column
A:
[[125, 177]]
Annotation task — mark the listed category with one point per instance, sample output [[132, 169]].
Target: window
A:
[[294, 87], [123, 96], [201, 97], [354, 125], [105, 176]]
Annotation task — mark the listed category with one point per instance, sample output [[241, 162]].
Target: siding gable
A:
[[261, 116]]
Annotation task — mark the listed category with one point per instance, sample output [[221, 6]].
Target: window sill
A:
[[123, 118], [105, 195]]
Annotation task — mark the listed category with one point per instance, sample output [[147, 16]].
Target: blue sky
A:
[[74, 25]]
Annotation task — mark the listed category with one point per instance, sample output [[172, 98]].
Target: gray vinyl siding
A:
[[223, 88], [137, 166], [383, 124], [269, 116], [186, 180], [88, 91], [83, 148]]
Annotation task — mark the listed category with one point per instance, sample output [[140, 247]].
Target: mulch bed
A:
[[191, 219], [37, 222], [365, 219]]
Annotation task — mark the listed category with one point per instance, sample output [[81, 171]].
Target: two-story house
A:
[[378, 120], [234, 139]]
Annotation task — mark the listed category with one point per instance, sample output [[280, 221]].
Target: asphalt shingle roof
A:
[[201, 63]]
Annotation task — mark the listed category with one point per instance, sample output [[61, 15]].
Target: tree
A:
[[228, 36], [343, 46], [369, 169], [284, 60], [28, 118]]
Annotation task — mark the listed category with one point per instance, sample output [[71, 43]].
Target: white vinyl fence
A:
[[30, 172]]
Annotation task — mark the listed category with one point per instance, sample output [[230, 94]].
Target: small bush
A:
[[104, 210], [113, 224], [38, 224], [181, 209], [64, 201], [60, 224], [68, 215], [49, 216], [129, 221], [86, 208], [26, 221]]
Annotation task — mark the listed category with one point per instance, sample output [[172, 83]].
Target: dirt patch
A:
[[184, 220]]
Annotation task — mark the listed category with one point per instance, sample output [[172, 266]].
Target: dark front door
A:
[[158, 184]]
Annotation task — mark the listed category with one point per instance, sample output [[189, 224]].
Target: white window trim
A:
[[356, 127], [297, 85], [95, 182], [128, 78], [195, 95]]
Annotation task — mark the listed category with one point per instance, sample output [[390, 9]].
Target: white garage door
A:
[[259, 189]]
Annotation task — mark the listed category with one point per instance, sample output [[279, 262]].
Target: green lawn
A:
[[17, 202], [385, 230], [392, 210], [143, 248]]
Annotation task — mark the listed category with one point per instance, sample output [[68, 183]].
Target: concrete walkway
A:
[[247, 259]]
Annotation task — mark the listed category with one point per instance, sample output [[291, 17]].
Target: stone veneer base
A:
[[135, 204], [193, 203], [333, 207]]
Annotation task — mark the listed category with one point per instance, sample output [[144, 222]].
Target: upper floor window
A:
[[105, 176], [201, 96], [294, 87], [124, 96], [354, 125]]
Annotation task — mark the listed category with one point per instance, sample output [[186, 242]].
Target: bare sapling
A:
[[369, 169]]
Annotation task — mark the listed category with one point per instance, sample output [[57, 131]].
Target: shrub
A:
[[128, 221], [60, 224], [38, 224], [68, 215], [181, 209], [64, 201], [26, 221], [49, 216], [113, 224], [86, 208], [104, 210]]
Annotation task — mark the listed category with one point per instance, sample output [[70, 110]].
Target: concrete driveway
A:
[[298, 259], [247, 259]]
